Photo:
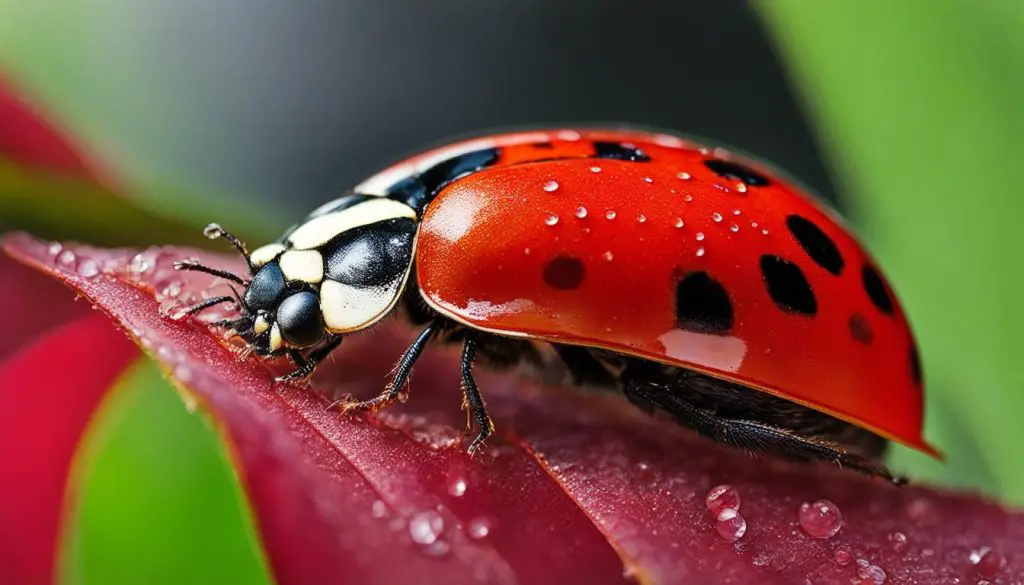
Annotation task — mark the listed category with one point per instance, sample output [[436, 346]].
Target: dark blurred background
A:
[[301, 99]]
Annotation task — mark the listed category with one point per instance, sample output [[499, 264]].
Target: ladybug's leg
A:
[[309, 365], [393, 391], [471, 398], [749, 435]]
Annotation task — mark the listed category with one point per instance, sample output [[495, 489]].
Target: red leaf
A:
[[48, 393], [41, 304], [28, 137], [575, 488]]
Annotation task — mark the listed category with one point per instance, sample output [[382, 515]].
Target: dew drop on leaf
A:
[[479, 527], [730, 524], [426, 527], [821, 519], [721, 497]]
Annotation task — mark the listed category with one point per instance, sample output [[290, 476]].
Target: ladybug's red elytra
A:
[[693, 281]]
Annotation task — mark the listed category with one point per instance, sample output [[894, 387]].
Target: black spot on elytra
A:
[[418, 190], [737, 172], [915, 365], [875, 287], [816, 243], [620, 151], [703, 305], [860, 329], [564, 273], [787, 285]]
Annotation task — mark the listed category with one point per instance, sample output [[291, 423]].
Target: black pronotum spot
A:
[[860, 329], [915, 364], [702, 305], [816, 243], [737, 172], [417, 190], [875, 287], [564, 273], [787, 285]]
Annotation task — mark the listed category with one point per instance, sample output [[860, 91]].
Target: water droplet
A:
[[88, 268], [551, 219], [610, 214], [679, 222], [551, 186], [730, 524], [457, 487], [479, 527], [764, 232], [212, 231], [183, 373], [741, 187], [595, 169], [426, 527], [989, 563], [842, 555], [608, 256], [67, 258], [438, 548], [379, 509], [641, 218], [140, 264], [526, 251], [870, 573], [898, 541], [684, 176], [700, 236], [700, 251], [721, 497], [569, 135], [753, 224], [581, 212], [717, 217], [688, 198], [648, 180], [736, 212], [734, 228], [822, 519]]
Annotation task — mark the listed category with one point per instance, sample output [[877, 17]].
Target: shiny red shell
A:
[[691, 257]]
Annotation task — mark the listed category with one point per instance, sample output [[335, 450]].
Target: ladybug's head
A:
[[349, 274]]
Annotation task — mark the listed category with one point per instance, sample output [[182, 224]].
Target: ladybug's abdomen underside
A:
[[670, 261]]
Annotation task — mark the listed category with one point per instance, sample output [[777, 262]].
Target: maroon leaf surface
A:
[[39, 303], [576, 487]]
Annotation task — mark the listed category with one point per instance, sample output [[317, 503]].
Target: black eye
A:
[[266, 287], [300, 320]]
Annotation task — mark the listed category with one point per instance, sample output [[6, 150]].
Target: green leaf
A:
[[153, 473], [917, 105]]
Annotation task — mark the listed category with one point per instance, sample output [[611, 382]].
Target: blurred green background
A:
[[907, 115]]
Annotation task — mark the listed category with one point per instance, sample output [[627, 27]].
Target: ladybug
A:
[[693, 281]]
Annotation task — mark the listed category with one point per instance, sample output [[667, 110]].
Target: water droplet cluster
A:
[[723, 502]]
